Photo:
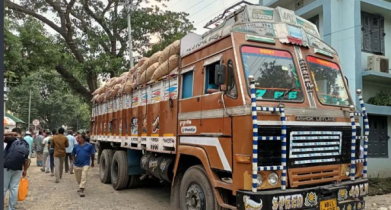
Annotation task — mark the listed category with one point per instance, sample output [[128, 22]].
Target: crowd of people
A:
[[53, 149]]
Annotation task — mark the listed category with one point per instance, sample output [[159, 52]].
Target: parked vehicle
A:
[[257, 116]]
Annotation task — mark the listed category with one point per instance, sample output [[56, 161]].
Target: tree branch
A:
[[21, 9], [73, 82]]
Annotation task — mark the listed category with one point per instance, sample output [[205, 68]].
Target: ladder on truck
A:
[[364, 137], [256, 138]]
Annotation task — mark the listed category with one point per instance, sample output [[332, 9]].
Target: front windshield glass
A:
[[274, 73], [328, 82]]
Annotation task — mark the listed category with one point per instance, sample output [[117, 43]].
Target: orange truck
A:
[[257, 116]]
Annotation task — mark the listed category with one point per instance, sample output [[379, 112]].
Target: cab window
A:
[[210, 86]]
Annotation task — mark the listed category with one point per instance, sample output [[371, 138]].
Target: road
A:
[[45, 194]]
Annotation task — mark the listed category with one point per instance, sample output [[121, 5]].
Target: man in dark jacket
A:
[[12, 177]]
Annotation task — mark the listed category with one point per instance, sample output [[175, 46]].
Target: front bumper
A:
[[347, 195]]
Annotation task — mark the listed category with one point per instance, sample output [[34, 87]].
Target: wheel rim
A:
[[195, 198], [102, 167]]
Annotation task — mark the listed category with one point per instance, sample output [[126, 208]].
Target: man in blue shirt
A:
[[83, 155], [29, 140], [68, 150]]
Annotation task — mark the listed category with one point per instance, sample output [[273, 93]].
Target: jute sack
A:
[[96, 92], [166, 67], [128, 86], [152, 60], [172, 49], [136, 79], [94, 99], [146, 75]]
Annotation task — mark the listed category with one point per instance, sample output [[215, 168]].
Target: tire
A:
[[119, 170], [105, 165], [135, 182], [195, 186]]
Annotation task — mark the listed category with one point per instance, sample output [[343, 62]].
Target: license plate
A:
[[328, 204]]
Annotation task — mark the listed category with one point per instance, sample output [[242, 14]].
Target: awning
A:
[[9, 122], [17, 120]]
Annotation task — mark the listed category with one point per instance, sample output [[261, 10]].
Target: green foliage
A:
[[91, 37], [381, 99], [51, 101]]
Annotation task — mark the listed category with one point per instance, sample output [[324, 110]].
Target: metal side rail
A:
[[256, 138], [353, 160]]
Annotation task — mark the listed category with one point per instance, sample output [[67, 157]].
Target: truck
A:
[[258, 115]]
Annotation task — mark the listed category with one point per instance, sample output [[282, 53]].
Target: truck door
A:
[[212, 114]]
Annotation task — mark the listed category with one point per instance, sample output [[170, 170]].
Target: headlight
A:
[[272, 178], [260, 179]]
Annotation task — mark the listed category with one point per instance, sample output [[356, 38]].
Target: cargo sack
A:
[[16, 155], [23, 189], [95, 98], [172, 49], [140, 63], [96, 92], [146, 75], [166, 67], [152, 60], [128, 86]]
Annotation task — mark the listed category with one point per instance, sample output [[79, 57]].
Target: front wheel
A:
[[196, 192]]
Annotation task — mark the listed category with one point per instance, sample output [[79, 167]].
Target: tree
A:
[[51, 101], [93, 34]]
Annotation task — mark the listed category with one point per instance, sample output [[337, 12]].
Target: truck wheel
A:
[[119, 170], [134, 181], [196, 191], [105, 165]]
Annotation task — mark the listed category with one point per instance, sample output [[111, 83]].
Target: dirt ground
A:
[[45, 194]]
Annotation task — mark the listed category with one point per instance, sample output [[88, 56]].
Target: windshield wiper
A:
[[283, 95]]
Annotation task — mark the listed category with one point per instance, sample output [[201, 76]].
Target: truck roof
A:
[[260, 21]]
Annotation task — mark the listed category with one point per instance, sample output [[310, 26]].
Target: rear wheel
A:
[[119, 170], [105, 165], [196, 192]]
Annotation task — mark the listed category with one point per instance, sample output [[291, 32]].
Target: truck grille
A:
[[308, 147]]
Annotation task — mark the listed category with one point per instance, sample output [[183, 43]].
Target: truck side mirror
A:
[[220, 75]]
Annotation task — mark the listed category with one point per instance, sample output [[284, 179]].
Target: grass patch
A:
[[379, 186]]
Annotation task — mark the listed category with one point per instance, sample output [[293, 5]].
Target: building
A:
[[358, 29]]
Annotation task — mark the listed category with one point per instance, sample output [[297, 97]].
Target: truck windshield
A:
[[274, 73], [328, 82]]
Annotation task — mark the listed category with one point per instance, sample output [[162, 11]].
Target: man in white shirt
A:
[[68, 150], [45, 145]]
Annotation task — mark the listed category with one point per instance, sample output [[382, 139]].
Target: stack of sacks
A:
[[166, 67], [172, 49], [146, 75], [152, 60], [95, 98], [116, 89], [138, 65]]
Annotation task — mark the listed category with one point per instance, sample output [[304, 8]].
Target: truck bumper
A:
[[348, 195]]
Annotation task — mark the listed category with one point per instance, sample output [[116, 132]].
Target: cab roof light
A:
[[253, 38], [322, 52]]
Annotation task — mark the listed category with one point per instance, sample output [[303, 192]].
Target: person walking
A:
[[29, 140], [51, 152], [59, 142], [16, 163], [68, 156], [46, 158], [37, 143], [83, 156]]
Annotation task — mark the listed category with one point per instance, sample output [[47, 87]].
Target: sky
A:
[[202, 11]]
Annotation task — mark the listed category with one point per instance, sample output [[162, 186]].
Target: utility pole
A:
[[29, 111], [130, 34], [6, 91]]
